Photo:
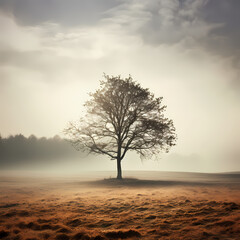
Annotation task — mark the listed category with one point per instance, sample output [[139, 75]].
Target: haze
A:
[[53, 53]]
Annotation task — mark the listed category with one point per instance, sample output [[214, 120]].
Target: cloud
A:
[[202, 23], [226, 38], [67, 13], [161, 21], [210, 26], [172, 22], [15, 36]]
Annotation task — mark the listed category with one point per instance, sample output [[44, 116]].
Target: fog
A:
[[53, 55]]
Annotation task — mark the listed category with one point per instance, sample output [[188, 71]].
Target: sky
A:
[[54, 52]]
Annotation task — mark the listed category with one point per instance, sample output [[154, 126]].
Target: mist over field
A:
[[57, 155]]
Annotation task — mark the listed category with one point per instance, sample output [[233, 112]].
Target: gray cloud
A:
[[30, 60], [211, 24], [173, 21], [226, 38], [66, 13]]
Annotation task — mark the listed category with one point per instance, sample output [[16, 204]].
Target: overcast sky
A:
[[54, 52]]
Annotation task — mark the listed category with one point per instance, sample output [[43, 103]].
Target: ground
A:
[[163, 206]]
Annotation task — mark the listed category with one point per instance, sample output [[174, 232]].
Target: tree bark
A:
[[119, 169]]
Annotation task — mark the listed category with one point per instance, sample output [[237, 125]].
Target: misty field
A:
[[159, 206]]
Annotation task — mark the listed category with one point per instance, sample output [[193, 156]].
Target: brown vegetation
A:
[[66, 210]]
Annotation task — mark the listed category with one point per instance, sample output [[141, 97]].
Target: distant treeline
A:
[[19, 149]]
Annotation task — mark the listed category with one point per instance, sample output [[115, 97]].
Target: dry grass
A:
[[134, 209]]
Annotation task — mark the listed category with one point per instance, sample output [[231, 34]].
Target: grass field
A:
[[145, 205]]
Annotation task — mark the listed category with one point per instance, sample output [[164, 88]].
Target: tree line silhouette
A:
[[18, 149]]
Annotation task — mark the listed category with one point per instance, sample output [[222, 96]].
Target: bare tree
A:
[[122, 116]]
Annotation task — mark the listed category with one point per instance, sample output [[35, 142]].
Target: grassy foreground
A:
[[207, 208]]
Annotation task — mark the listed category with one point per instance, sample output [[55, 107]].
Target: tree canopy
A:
[[122, 116]]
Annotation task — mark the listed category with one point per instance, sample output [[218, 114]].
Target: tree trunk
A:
[[119, 169]]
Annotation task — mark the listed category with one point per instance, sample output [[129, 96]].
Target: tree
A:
[[122, 116]]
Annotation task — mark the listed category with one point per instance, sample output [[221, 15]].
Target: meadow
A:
[[144, 205]]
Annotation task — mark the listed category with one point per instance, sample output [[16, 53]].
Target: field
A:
[[145, 205]]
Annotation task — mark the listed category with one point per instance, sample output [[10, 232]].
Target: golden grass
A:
[[111, 210]]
